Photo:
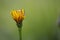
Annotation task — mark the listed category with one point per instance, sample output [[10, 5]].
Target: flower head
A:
[[18, 15]]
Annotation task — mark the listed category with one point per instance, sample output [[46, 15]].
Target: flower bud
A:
[[18, 15]]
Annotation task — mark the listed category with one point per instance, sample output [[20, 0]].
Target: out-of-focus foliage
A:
[[39, 23]]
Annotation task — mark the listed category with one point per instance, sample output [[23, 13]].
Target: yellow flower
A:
[[18, 15]]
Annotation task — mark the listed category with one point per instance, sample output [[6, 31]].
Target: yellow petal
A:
[[18, 15]]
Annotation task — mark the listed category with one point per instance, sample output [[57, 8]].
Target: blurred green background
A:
[[39, 23]]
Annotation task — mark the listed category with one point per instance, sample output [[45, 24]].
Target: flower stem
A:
[[20, 33], [19, 25]]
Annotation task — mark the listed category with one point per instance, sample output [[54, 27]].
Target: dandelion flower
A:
[[18, 15]]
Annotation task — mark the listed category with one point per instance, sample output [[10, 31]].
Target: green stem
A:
[[19, 25], [20, 33]]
